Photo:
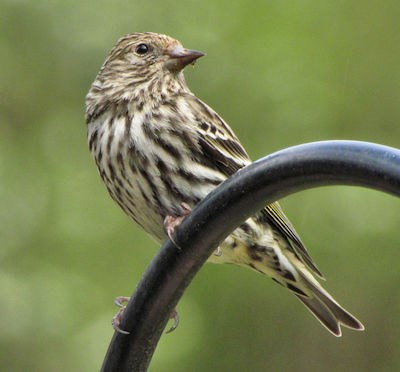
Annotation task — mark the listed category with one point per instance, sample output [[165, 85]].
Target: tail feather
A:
[[285, 268], [342, 315], [322, 313], [326, 309]]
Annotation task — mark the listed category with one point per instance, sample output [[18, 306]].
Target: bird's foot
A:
[[171, 222], [121, 302], [218, 252], [175, 316]]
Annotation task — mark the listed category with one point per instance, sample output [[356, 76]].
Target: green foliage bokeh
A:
[[281, 73]]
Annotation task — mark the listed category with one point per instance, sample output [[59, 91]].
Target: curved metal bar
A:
[[248, 191]]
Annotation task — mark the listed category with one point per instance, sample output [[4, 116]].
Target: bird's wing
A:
[[217, 141], [274, 215], [223, 150]]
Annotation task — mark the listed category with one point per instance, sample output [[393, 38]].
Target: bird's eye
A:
[[142, 49]]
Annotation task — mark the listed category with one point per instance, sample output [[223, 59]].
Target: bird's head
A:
[[151, 52], [142, 67], [142, 60]]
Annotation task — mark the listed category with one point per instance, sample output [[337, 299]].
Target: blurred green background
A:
[[281, 73]]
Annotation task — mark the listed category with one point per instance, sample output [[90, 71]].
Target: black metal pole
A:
[[266, 180]]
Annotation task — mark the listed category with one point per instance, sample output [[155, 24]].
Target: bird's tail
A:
[[284, 266], [325, 308]]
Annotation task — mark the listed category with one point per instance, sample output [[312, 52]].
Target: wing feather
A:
[[222, 148]]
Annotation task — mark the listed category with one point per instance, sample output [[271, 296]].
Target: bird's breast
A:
[[147, 168]]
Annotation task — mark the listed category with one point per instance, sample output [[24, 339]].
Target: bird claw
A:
[[116, 320], [175, 316], [218, 252], [171, 222], [121, 301]]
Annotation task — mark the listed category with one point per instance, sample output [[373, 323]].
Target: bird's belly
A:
[[147, 197], [136, 198]]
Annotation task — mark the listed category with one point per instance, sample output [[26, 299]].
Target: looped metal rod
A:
[[248, 191]]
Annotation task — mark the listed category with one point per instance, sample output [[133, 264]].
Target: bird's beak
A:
[[179, 57]]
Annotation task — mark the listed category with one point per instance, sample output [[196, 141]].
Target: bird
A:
[[160, 150]]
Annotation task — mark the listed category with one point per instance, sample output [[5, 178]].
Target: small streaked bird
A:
[[160, 150]]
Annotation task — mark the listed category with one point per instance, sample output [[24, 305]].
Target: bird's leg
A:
[[171, 222], [121, 302]]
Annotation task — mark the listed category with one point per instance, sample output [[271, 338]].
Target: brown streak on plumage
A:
[[160, 150]]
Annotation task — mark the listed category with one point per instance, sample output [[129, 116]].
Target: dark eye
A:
[[142, 49]]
